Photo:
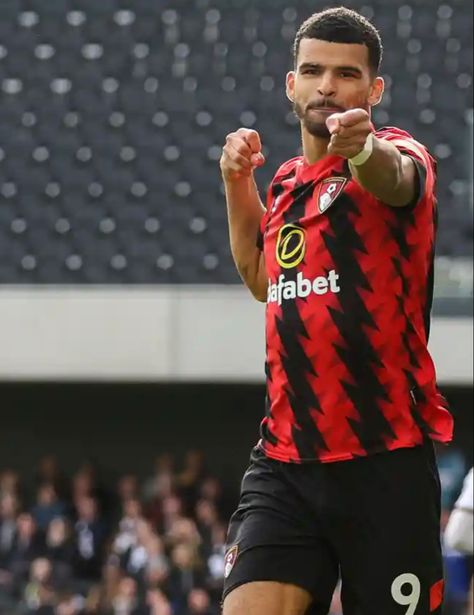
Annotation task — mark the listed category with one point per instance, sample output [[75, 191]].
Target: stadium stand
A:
[[113, 113], [76, 546]]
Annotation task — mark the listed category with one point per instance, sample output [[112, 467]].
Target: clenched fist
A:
[[241, 155], [349, 132]]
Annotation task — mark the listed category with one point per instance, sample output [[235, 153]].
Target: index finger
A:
[[353, 117], [252, 138]]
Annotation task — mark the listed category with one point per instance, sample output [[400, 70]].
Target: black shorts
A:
[[373, 522]]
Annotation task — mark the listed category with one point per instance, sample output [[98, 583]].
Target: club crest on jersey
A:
[[230, 559], [328, 191]]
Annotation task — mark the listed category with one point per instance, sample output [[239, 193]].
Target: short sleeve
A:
[[424, 163], [274, 190], [266, 216], [261, 230]]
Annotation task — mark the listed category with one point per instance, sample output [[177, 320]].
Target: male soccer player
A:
[[343, 480], [459, 533]]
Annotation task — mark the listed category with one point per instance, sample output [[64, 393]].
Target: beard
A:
[[315, 128]]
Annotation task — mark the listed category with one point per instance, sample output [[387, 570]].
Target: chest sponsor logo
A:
[[290, 246], [328, 191], [285, 290]]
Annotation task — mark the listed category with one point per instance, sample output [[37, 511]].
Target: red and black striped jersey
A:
[[348, 310]]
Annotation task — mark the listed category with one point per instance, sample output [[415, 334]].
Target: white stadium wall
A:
[[161, 334]]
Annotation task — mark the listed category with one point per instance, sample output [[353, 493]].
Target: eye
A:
[[311, 71], [347, 74]]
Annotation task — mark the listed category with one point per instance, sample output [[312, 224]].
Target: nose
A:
[[326, 85]]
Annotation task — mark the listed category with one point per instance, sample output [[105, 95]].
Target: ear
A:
[[290, 86], [376, 92]]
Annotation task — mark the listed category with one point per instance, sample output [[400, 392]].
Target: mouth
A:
[[325, 110]]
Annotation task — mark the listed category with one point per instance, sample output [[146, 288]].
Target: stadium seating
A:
[[112, 115]]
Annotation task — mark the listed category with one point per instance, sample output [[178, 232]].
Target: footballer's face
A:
[[331, 78]]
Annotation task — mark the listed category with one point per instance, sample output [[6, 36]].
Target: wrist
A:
[[362, 157], [232, 179]]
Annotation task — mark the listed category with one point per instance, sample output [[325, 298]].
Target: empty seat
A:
[[113, 115]]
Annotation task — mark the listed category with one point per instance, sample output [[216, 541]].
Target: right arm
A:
[[240, 156]]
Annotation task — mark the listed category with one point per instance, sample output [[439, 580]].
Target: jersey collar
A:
[[327, 166]]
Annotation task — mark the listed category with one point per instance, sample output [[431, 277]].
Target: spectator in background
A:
[[126, 536], [157, 488], [199, 603], [186, 573], [28, 546], [82, 485], [70, 604], [8, 527], [170, 562], [87, 481], [157, 569], [48, 506], [161, 483], [89, 541], [50, 472], [59, 549], [145, 560], [216, 562], [128, 487], [9, 482], [207, 518], [9, 506], [172, 510], [39, 595], [94, 602], [189, 479], [158, 603], [126, 600], [211, 489], [183, 531], [101, 596]]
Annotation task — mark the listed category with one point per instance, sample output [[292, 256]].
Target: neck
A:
[[314, 148]]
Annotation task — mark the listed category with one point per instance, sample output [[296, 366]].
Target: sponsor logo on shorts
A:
[[328, 191], [230, 559], [436, 595]]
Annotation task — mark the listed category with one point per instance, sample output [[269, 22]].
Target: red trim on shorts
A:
[[436, 595]]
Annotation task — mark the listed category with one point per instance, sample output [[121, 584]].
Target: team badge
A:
[[328, 191], [230, 559]]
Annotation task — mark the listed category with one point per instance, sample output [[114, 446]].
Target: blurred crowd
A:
[[76, 546]]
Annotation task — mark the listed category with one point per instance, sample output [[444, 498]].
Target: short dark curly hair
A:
[[342, 25]]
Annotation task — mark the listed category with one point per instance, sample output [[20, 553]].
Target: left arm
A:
[[387, 174]]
